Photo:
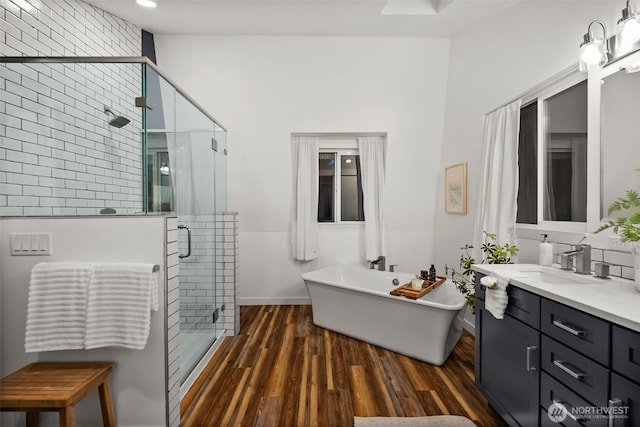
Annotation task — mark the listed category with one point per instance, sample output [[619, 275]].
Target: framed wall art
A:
[[455, 189]]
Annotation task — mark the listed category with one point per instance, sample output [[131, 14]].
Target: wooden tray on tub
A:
[[407, 291]]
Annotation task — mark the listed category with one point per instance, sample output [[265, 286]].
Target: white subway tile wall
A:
[[228, 269], [58, 154], [208, 277], [173, 322], [621, 264]]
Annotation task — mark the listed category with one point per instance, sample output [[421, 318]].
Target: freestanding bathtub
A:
[[355, 301]]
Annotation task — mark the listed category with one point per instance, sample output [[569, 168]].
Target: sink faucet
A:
[[582, 255], [380, 262]]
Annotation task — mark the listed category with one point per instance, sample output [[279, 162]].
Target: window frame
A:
[[341, 145], [539, 95]]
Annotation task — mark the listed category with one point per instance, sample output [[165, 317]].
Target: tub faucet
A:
[[582, 255], [380, 262]]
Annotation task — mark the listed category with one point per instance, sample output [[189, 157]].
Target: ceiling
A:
[[401, 18]]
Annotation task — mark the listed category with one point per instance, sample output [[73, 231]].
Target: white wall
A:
[[138, 382], [492, 64], [264, 88]]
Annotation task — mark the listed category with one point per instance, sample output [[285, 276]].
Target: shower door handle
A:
[[184, 227]]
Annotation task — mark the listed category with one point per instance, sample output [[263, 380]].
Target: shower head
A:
[[116, 121]]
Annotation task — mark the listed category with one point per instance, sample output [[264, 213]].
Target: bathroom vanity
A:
[[566, 341]]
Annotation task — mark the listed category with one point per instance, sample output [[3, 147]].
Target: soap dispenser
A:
[[545, 252]]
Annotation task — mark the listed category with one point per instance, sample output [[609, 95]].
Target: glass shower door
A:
[[193, 152], [181, 178]]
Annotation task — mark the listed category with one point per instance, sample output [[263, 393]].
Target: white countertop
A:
[[616, 300]]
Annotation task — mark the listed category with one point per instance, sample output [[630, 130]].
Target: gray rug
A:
[[434, 421]]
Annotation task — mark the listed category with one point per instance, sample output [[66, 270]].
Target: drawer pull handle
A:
[[569, 328], [531, 348], [577, 375], [612, 404], [568, 410]]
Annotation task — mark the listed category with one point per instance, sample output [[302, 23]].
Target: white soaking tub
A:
[[355, 301]]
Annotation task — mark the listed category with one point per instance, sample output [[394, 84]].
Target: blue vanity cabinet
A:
[[507, 357], [545, 353], [625, 377]]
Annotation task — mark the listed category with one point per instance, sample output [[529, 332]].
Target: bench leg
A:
[[106, 404], [33, 418], [66, 417]]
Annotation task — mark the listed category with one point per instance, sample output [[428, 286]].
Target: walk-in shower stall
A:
[[113, 136]]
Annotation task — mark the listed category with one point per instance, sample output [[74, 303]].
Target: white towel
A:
[[57, 306], [121, 298], [496, 298]]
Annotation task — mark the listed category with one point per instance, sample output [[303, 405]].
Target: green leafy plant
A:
[[492, 253], [625, 226]]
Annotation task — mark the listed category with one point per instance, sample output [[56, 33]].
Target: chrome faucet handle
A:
[[392, 267], [566, 261], [583, 259], [602, 270]]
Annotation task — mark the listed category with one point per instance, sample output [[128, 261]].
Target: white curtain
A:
[[497, 203], [372, 160], [304, 206], [579, 179]]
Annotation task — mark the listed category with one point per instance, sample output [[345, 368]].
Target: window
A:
[[340, 186], [553, 140]]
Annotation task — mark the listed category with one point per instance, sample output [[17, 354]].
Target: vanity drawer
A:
[[523, 305], [552, 391], [625, 357], [582, 375], [581, 331]]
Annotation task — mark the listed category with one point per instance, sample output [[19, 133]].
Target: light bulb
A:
[[146, 3], [592, 55], [630, 33]]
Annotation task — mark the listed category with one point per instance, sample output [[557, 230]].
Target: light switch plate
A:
[[30, 244]]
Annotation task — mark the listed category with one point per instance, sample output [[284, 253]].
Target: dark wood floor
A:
[[282, 370]]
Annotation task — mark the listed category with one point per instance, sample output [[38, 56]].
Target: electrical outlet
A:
[[617, 244]]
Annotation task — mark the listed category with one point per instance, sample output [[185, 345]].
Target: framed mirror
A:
[[619, 131]]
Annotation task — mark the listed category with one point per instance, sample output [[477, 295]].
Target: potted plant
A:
[[492, 253], [627, 226]]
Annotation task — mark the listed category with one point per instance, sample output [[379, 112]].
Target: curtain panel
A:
[[304, 206], [497, 203], [373, 161]]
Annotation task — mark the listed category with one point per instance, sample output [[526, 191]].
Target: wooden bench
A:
[[57, 386]]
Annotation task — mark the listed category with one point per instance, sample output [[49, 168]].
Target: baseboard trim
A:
[[275, 301], [470, 327]]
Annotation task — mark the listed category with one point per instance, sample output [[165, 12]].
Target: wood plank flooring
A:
[[282, 370]]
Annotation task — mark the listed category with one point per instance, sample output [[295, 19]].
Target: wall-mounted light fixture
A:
[[594, 50], [628, 29], [597, 52]]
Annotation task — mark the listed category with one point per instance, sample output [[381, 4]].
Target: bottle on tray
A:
[[432, 273]]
